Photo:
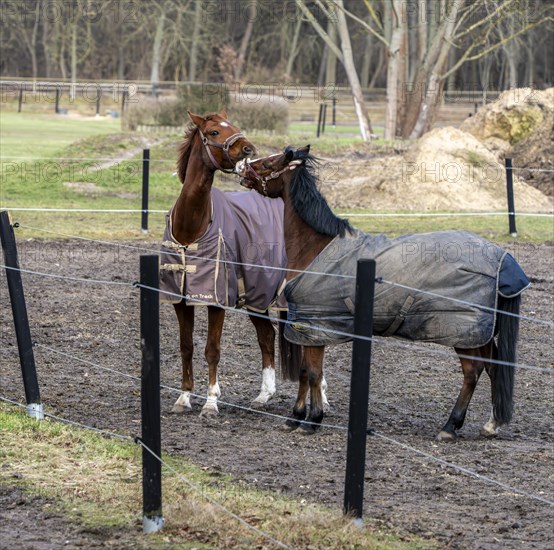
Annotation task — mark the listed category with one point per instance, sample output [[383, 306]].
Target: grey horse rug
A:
[[231, 264], [454, 280]]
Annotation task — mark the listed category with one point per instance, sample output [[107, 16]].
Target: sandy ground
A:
[[412, 392]]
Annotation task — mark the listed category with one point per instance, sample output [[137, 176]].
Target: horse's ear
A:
[[302, 152], [223, 114], [289, 154], [197, 120]]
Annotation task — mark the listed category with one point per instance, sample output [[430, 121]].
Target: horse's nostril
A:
[[247, 150]]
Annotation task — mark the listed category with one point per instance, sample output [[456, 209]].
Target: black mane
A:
[[309, 203]]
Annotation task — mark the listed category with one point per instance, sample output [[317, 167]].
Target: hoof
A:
[[488, 433], [259, 405], [446, 437], [290, 425], [180, 409], [208, 413], [308, 429]]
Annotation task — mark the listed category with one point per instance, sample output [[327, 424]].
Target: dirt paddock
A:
[[412, 392]]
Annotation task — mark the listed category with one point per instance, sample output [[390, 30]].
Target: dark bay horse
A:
[[211, 144], [439, 305]]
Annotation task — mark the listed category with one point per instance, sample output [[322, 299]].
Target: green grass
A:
[[101, 185], [42, 135], [96, 482]]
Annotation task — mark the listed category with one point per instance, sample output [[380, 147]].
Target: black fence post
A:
[[359, 390], [319, 119], [123, 97], [20, 99], [57, 104], [150, 394], [324, 118], [98, 98], [334, 121], [20, 318], [510, 191], [145, 182]]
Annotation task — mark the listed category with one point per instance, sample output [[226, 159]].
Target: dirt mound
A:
[[513, 116], [534, 153], [447, 169]]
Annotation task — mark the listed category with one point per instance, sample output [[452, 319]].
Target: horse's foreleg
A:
[[185, 316], [490, 351], [313, 356], [266, 340], [472, 369], [216, 317]]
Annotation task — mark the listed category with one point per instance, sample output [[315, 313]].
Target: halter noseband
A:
[[225, 146], [263, 180]]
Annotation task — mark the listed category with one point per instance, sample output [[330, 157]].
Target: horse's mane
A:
[[184, 152], [309, 203], [186, 147]]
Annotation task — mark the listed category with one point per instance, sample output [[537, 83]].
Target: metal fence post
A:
[[359, 390], [20, 318], [319, 119], [150, 394], [510, 191], [145, 183]]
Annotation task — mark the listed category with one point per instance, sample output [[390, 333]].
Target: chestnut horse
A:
[[211, 144], [309, 228]]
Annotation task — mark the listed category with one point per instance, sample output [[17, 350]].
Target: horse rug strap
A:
[[230, 265], [457, 276]]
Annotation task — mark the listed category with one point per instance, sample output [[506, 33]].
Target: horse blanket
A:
[[212, 271], [457, 274]]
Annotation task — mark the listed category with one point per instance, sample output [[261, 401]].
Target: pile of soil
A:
[[458, 169], [514, 116], [536, 152]]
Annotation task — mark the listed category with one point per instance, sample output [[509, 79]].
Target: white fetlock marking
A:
[[324, 393], [184, 400], [491, 427], [213, 394], [268, 385]]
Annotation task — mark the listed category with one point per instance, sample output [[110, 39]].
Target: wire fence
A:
[[384, 437]]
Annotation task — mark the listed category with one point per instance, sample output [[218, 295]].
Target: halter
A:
[[274, 175], [225, 146]]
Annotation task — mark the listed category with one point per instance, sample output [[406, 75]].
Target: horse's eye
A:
[[214, 133]]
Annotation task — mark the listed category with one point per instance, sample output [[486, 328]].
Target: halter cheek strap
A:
[[263, 180], [225, 146]]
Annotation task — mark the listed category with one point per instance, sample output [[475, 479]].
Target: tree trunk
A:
[[393, 71], [46, 47], [245, 39], [331, 61], [348, 60], [432, 84], [293, 52], [193, 62], [73, 60], [366, 62], [156, 55]]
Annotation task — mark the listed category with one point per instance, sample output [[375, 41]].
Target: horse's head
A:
[[224, 143], [264, 175]]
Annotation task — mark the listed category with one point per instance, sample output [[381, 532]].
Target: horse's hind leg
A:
[[185, 316], [313, 357], [299, 409], [266, 340], [472, 367], [216, 316], [490, 351]]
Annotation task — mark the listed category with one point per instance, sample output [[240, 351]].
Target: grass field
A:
[[97, 183], [96, 481]]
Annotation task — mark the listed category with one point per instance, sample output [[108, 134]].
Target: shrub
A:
[[266, 114]]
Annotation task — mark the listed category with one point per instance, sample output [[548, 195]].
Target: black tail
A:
[[291, 354], [508, 332]]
